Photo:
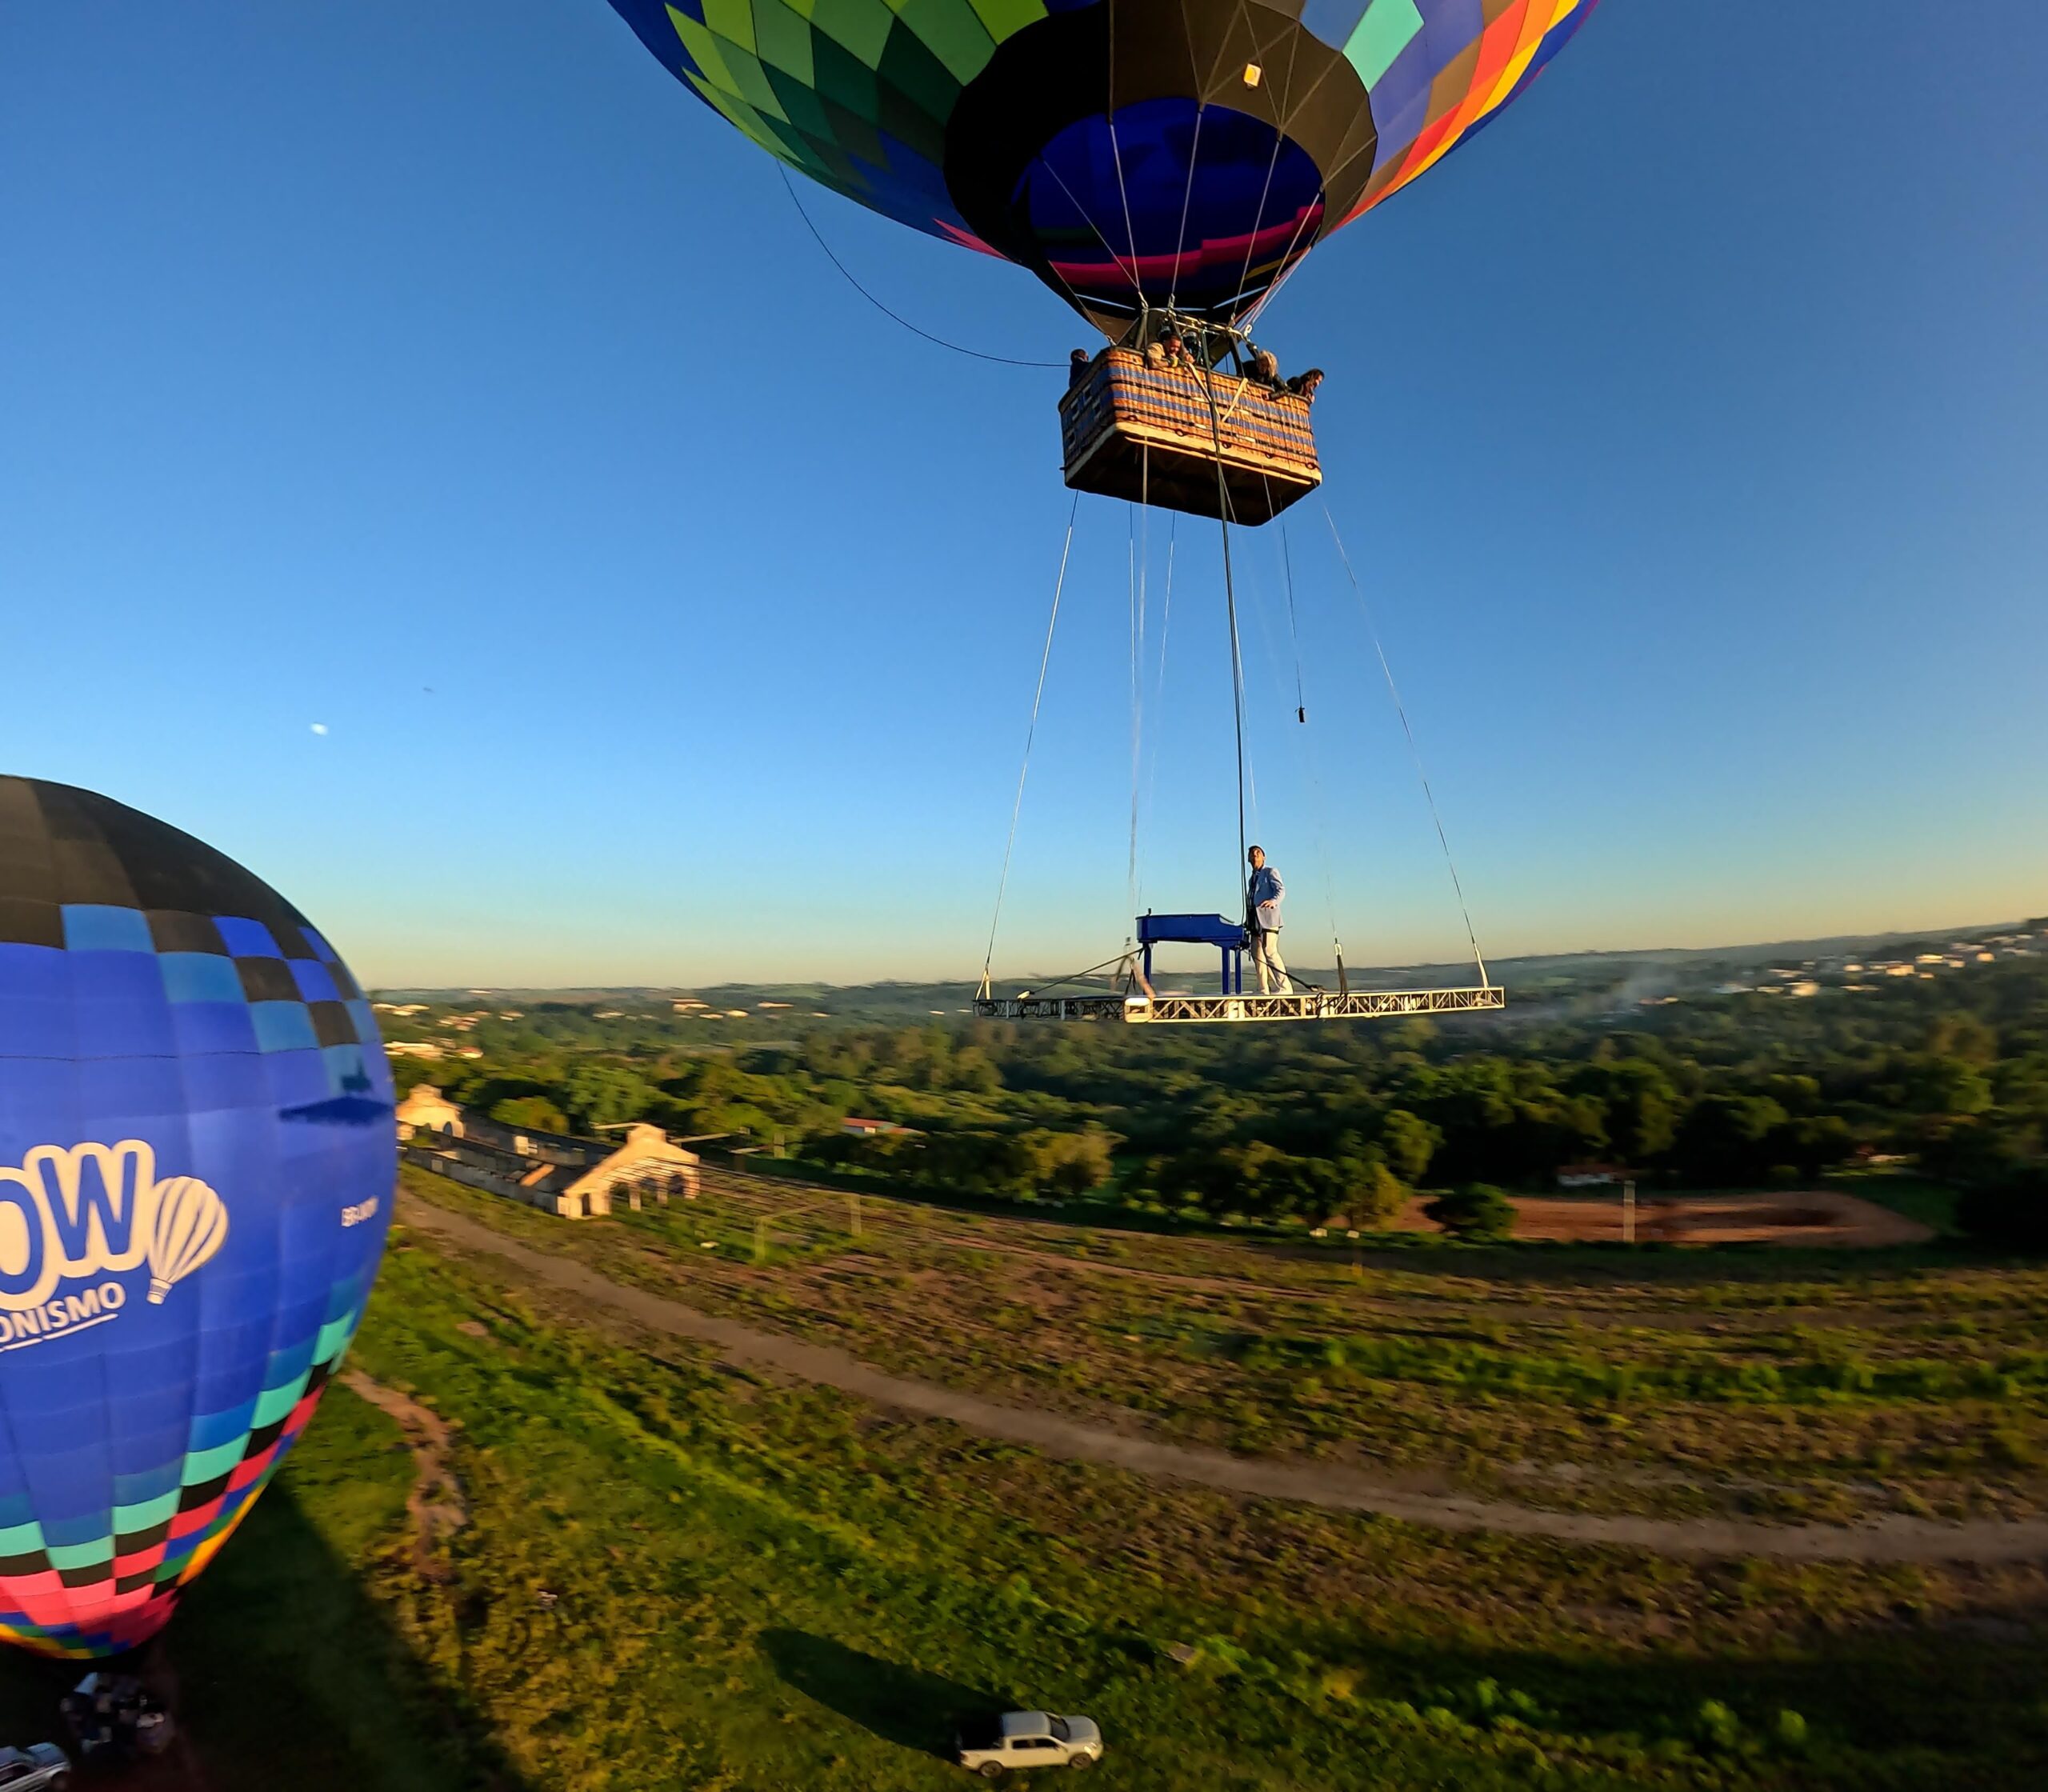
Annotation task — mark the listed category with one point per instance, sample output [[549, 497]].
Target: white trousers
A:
[[1272, 968]]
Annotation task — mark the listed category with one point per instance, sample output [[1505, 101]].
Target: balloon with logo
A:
[[197, 1158]]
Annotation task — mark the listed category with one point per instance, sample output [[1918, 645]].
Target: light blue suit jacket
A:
[[1267, 890]]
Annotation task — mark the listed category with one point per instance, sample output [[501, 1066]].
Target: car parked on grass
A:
[[39, 1767], [1019, 1741]]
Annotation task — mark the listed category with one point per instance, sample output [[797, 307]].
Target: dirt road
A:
[[1892, 1538], [435, 1501]]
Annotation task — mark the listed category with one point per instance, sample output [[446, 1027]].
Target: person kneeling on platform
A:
[[1263, 924]]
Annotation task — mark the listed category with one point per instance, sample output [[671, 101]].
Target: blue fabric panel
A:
[[247, 939], [316, 982], [95, 927], [200, 977], [282, 1026]]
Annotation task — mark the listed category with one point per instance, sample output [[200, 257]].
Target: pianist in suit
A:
[[1263, 924]]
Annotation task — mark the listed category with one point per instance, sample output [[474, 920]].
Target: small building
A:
[[862, 1128], [576, 1179], [1590, 1175]]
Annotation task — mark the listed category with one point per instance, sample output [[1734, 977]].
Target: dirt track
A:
[[1815, 1218], [435, 1501], [1895, 1538]]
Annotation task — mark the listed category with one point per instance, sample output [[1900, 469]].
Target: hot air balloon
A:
[[1160, 164], [197, 1155], [1176, 153]]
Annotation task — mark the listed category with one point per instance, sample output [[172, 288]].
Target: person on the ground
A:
[[1076, 368], [1304, 384], [1262, 899]]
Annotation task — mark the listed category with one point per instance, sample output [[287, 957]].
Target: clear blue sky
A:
[[1689, 428]]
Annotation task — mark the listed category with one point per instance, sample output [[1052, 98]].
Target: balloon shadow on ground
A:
[[904, 1705], [281, 1671]]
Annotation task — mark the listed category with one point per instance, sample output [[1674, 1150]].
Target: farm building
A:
[[576, 1178]]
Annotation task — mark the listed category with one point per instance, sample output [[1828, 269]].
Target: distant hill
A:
[[1585, 982]]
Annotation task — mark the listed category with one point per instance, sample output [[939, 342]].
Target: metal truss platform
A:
[[1307, 1005]]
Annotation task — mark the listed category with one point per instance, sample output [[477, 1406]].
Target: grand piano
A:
[[1197, 929]]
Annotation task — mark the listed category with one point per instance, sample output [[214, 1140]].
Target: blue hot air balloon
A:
[[197, 1160]]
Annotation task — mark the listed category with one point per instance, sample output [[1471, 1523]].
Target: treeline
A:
[[1344, 1122]]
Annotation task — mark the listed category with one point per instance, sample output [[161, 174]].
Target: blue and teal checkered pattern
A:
[[154, 994]]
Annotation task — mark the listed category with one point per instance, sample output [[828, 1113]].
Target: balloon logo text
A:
[[89, 1212]]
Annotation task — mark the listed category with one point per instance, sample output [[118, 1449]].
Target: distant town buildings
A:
[[576, 1178], [1860, 975]]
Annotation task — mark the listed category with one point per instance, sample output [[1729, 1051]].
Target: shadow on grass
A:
[[901, 1704], [282, 1672]]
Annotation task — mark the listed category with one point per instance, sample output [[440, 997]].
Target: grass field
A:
[[1827, 1386], [678, 1575]]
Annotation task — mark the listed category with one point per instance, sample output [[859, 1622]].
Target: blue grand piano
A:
[[1197, 929]]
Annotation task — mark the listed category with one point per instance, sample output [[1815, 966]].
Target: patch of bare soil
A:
[[435, 1503], [1808, 1216]]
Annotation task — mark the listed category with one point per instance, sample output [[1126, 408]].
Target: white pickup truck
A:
[[1019, 1741], [40, 1767]]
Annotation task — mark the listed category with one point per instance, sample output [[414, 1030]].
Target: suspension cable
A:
[[1031, 734], [1159, 683], [1230, 601], [1415, 752], [1293, 627], [1311, 758], [1001, 360], [1141, 568]]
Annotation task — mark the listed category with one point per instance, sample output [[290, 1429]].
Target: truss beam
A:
[[1306, 1005]]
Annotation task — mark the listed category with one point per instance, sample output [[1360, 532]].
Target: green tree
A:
[[1475, 1211], [530, 1112], [601, 1095], [1409, 1142], [1941, 1085], [1374, 1196]]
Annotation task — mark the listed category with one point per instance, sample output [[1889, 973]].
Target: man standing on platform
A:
[[1262, 924]]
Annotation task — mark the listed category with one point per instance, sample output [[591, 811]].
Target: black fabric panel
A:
[[26, 921], [173, 931], [333, 1025], [61, 844], [267, 980]]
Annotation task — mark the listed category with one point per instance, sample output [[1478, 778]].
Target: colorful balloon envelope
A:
[[1129, 152], [197, 1160]]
